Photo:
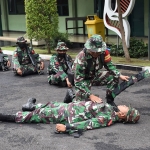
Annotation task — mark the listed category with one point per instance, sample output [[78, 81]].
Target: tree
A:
[[125, 49], [41, 20]]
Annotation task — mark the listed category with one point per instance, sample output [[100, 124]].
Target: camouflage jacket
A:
[[58, 64], [80, 115], [20, 57], [86, 67]]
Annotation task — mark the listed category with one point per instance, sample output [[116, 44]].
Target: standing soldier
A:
[[88, 69], [4, 61], [59, 68], [25, 60]]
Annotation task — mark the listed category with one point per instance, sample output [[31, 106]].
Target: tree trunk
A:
[[48, 47], [125, 49]]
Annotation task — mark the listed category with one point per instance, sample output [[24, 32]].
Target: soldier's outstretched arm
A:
[[92, 123]]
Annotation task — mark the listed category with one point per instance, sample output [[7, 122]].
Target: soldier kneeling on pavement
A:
[[60, 67], [5, 63], [25, 60]]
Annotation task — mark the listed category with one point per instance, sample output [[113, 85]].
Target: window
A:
[[96, 3], [16, 7], [62, 7]]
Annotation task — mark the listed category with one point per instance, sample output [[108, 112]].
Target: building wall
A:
[[88, 9], [17, 23], [62, 23], [4, 16], [146, 11], [84, 8], [12, 22]]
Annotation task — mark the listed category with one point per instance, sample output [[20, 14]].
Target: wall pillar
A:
[[149, 30], [1, 30]]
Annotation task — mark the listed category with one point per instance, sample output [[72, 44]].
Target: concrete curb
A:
[[118, 66]]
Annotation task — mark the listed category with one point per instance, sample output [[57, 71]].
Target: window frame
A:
[[14, 12], [60, 7]]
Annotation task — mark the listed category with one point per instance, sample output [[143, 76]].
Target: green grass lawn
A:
[[73, 53]]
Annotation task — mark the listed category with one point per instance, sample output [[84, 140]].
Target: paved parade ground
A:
[[15, 91]]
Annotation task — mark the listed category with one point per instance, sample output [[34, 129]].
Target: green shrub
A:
[[137, 49], [61, 37]]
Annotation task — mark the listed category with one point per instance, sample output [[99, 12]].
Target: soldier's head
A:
[[0, 50], [95, 45], [21, 42], [61, 48], [128, 114]]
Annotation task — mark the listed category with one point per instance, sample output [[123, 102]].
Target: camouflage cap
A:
[[95, 43], [21, 39], [133, 115], [61, 46]]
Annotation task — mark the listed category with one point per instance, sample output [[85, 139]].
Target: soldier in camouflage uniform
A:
[[59, 68], [22, 62], [5, 63], [70, 95], [84, 115], [88, 71]]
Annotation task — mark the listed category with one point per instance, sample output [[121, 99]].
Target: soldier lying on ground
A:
[[59, 68], [75, 116], [4, 61], [25, 60]]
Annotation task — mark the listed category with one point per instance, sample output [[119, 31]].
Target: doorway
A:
[[136, 19]]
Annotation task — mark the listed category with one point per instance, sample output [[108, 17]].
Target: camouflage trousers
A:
[[113, 87], [104, 78], [58, 78], [27, 69], [132, 80], [51, 112]]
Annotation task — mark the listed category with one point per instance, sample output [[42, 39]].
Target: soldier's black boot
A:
[[70, 95], [7, 117], [30, 105], [62, 84]]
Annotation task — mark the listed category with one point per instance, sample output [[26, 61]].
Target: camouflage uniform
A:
[[80, 115], [88, 70], [21, 59], [5, 60], [58, 67]]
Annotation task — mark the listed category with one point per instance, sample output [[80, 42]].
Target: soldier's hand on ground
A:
[[42, 66], [8, 64], [60, 127], [68, 83], [122, 77], [19, 71], [95, 99]]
